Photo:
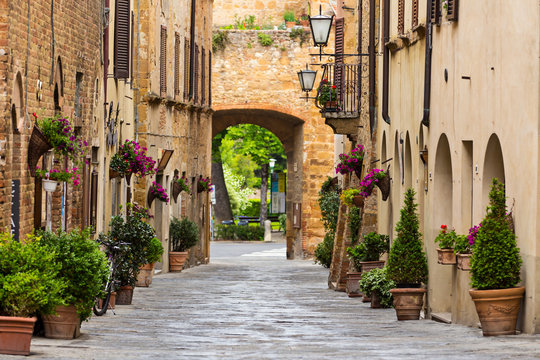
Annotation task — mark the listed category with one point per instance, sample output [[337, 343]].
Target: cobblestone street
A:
[[251, 303]]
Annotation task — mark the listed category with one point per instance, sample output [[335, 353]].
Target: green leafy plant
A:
[[407, 263], [153, 251], [220, 39], [495, 262], [462, 245], [329, 205], [283, 223], [370, 180], [184, 234], [83, 267], [324, 250], [300, 34], [265, 39], [327, 92], [370, 249], [131, 159], [377, 281], [354, 222], [239, 232], [183, 182], [57, 174], [446, 239], [29, 281], [288, 16], [348, 195]]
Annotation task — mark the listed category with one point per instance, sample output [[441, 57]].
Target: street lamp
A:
[[307, 80], [320, 29]]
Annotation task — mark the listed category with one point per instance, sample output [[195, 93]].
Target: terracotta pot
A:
[[290, 24], [464, 262], [498, 309], [304, 23], [64, 325], [331, 105], [375, 300], [353, 287], [408, 302], [124, 295], [112, 301], [370, 265], [146, 273], [16, 334], [177, 260], [446, 256], [358, 201]]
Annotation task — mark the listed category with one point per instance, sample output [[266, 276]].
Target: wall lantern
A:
[[307, 79], [320, 29]]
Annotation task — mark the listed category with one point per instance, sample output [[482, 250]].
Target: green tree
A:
[[407, 263], [222, 209]]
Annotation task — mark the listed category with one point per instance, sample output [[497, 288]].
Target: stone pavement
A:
[[257, 305]]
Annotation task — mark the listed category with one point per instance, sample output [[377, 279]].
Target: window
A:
[[121, 39], [196, 75], [210, 78], [186, 74], [435, 11], [401, 17], [203, 77], [452, 10], [414, 13], [78, 85], [176, 64], [163, 62]]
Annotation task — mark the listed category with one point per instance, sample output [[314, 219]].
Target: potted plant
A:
[[83, 270], [204, 184], [304, 20], [377, 177], [495, 269], [134, 230], [367, 253], [131, 159], [180, 184], [153, 253], [30, 285], [156, 191], [327, 96], [446, 240], [290, 19], [463, 248], [407, 263], [351, 163], [184, 235], [354, 221], [351, 197], [376, 284], [51, 178]]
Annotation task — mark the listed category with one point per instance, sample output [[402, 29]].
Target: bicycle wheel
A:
[[101, 305]]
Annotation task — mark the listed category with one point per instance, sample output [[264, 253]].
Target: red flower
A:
[[444, 226], [34, 115], [324, 81], [333, 86]]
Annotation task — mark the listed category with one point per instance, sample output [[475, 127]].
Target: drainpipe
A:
[[386, 60], [105, 59], [371, 51], [427, 70]]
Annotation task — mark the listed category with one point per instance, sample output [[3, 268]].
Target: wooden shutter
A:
[[210, 78], [176, 64], [339, 50], [401, 17], [196, 75], [121, 39], [187, 51], [203, 76], [435, 11], [414, 13], [163, 62], [452, 13]]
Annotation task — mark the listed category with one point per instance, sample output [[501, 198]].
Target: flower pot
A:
[[200, 188], [498, 309], [146, 273], [112, 301], [37, 146], [64, 325], [375, 300], [49, 185], [446, 256], [177, 260], [176, 190], [290, 24], [124, 295], [150, 197], [370, 265], [353, 287], [408, 302], [464, 262], [384, 186], [358, 201], [16, 334], [304, 23], [331, 106]]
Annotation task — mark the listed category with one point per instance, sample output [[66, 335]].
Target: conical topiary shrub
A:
[[496, 262], [407, 263]]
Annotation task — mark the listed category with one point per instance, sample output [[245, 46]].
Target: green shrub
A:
[[407, 263], [354, 222], [265, 39], [288, 15], [29, 281], [299, 34], [83, 267], [323, 251], [377, 281], [371, 249], [253, 208], [462, 245], [154, 251], [495, 263], [239, 232], [220, 39], [329, 205], [283, 223], [184, 234]]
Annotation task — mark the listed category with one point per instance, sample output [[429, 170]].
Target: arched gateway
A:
[[254, 84]]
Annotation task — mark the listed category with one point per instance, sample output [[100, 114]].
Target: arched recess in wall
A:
[[442, 184], [493, 167], [17, 102], [408, 162], [58, 87], [384, 153]]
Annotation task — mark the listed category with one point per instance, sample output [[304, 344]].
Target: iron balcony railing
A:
[[341, 84]]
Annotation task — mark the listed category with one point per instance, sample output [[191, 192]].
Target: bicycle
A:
[[113, 249]]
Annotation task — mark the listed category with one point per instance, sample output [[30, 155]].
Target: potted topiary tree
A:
[[153, 253], [29, 285], [407, 263], [446, 240], [375, 284], [83, 270], [184, 235], [495, 269]]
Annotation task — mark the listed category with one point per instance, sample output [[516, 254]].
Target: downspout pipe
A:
[[371, 52], [427, 70], [386, 60]]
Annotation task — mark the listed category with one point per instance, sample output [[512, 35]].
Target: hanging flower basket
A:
[[358, 201], [179, 185], [176, 190], [37, 146], [384, 186], [156, 192], [203, 185], [49, 185], [351, 163], [150, 198]]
